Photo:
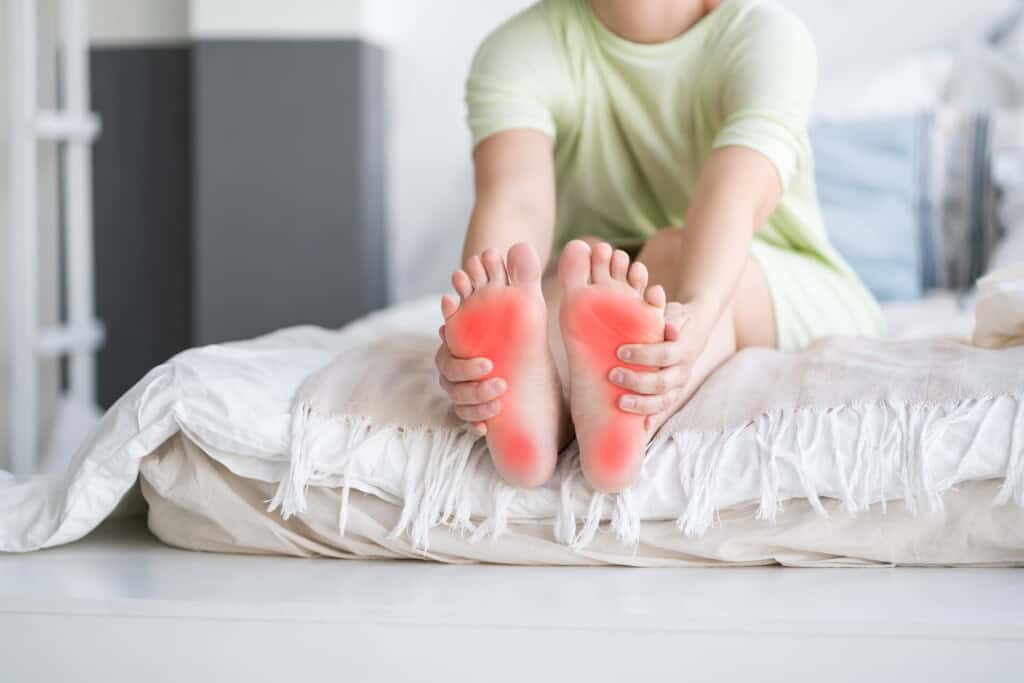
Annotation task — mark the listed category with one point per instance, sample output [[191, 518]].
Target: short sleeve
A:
[[511, 82], [768, 77]]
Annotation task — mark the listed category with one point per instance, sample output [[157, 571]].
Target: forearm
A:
[[499, 223], [736, 194], [715, 246], [514, 182]]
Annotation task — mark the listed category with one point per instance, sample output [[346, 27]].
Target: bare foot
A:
[[606, 304], [502, 317]]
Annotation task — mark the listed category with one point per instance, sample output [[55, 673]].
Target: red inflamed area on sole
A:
[[504, 325], [596, 323]]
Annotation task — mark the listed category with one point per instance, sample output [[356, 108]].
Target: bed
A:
[[159, 609]]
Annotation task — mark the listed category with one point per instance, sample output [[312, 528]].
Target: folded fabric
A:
[[1000, 309], [860, 421]]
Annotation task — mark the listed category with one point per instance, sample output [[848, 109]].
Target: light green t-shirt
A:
[[632, 124]]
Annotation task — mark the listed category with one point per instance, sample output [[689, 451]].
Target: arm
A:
[[767, 78], [736, 193], [515, 202], [514, 176]]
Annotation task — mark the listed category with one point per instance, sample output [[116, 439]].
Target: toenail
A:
[[625, 354], [628, 402]]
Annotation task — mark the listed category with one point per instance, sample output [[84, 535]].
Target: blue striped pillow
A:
[[909, 201], [872, 179]]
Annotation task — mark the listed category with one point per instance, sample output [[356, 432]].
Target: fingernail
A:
[[484, 366], [625, 354], [628, 402], [499, 385], [617, 376]]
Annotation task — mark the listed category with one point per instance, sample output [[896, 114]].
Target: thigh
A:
[[813, 299]]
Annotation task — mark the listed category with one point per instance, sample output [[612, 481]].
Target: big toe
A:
[[523, 264], [574, 265]]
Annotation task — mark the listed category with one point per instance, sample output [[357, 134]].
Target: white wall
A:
[[430, 179], [129, 22], [294, 18]]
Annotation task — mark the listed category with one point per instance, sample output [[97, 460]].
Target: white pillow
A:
[[1008, 175]]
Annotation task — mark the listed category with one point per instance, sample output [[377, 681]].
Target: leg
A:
[[605, 303], [748, 320], [501, 317], [611, 445]]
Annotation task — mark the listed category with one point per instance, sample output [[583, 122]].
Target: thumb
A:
[[675, 320]]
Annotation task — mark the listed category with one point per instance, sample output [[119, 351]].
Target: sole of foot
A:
[[501, 316], [606, 303]]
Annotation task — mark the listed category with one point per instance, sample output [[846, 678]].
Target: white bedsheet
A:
[[234, 401]]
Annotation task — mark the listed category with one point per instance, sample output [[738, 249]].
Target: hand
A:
[[475, 398], [658, 392]]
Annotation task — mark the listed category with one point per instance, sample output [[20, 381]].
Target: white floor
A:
[[121, 606]]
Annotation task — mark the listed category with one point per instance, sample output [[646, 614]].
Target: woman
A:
[[656, 150]]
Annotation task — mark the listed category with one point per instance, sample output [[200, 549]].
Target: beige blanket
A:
[[198, 504], [852, 452]]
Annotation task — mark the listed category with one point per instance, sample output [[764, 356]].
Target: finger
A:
[[461, 369], [480, 428], [478, 413], [650, 383], [474, 393], [653, 422], [659, 355], [648, 405], [676, 317]]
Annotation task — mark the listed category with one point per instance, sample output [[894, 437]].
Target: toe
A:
[[574, 265], [523, 264], [462, 284], [494, 266], [620, 265], [637, 276], [448, 306], [601, 263], [475, 269], [655, 296]]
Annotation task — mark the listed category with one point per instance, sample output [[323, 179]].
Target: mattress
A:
[[197, 504]]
